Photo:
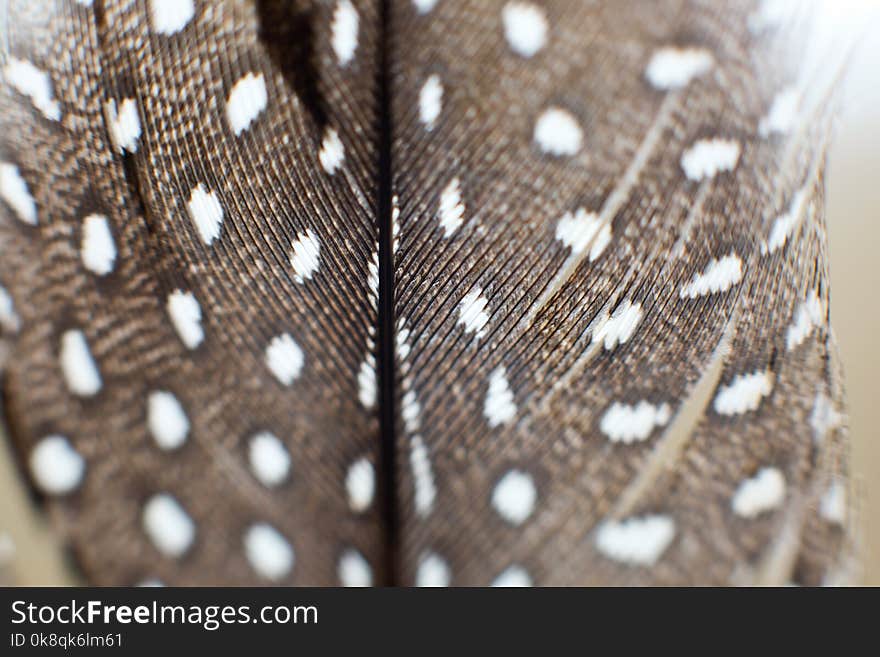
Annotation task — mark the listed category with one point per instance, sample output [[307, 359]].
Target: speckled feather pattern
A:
[[265, 187], [613, 362]]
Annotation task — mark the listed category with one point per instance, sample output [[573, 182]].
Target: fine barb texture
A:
[[603, 228]]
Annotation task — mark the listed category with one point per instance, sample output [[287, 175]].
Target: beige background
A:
[[853, 186], [29, 554]]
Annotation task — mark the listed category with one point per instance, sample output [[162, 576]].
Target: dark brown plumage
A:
[[605, 232]]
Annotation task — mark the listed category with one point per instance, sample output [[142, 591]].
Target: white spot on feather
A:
[[14, 190], [98, 250], [577, 230], [206, 213], [499, 407], [373, 278], [368, 390], [424, 6], [367, 384], [719, 276], [268, 552], [344, 31], [419, 458], [709, 157], [395, 224], [603, 239], [79, 368], [166, 420], [34, 83], [246, 101], [807, 316], [582, 229], [284, 359], [410, 411], [56, 466], [304, 256], [618, 327], [763, 492], [782, 114], [124, 124], [332, 152], [451, 208], [269, 459], [785, 223], [525, 27], [514, 496], [824, 417], [401, 341], [423, 476], [430, 101], [433, 571], [627, 424], [832, 505], [186, 317], [472, 312], [170, 16], [674, 68], [9, 319], [557, 132], [637, 541], [360, 483], [513, 577], [353, 569], [168, 525], [744, 393]]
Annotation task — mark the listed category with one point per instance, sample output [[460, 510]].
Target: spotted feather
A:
[[617, 184], [429, 293]]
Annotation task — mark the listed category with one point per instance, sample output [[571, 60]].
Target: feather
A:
[[617, 180], [217, 419], [425, 293]]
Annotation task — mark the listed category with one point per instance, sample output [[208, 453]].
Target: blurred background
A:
[[853, 214], [30, 555]]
